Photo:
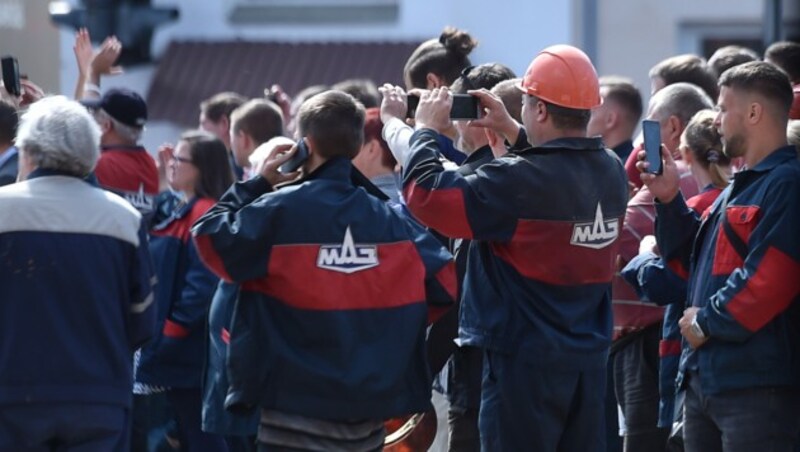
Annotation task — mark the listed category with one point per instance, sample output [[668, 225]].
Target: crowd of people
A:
[[296, 271]]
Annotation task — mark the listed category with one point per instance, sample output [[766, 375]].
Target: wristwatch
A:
[[696, 330]]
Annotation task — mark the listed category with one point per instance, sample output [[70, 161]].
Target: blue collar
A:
[[8, 155], [774, 159]]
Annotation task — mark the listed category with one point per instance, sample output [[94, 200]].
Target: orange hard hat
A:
[[563, 75]]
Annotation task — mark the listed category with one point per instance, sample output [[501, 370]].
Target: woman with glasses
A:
[[198, 174]]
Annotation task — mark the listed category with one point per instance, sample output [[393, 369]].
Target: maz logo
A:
[[347, 257], [598, 234]]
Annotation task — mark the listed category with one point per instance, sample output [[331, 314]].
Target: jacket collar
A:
[[774, 159], [122, 147], [44, 172], [574, 143], [483, 153]]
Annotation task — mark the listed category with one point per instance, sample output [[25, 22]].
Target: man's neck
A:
[[762, 145], [614, 138], [116, 142]]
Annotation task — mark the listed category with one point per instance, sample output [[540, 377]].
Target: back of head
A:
[[765, 80], [445, 57], [59, 134], [373, 129], [335, 122], [702, 139], [727, 57], [682, 100], [687, 68], [508, 92], [221, 105], [364, 90], [210, 156], [9, 120], [485, 76], [621, 92], [260, 119], [785, 55]]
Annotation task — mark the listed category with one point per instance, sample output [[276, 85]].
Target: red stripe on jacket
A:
[[538, 251], [441, 209], [768, 292], [294, 278]]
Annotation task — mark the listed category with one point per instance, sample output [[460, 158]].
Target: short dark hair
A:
[[623, 92], [373, 129], [335, 121], [221, 105], [9, 120], [565, 118], [210, 156], [727, 57], [484, 76], [687, 68], [260, 119], [786, 55], [764, 79], [446, 57], [510, 94], [364, 90]]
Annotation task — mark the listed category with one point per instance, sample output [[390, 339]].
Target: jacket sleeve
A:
[[767, 284], [654, 281], [233, 236], [479, 206], [142, 318], [188, 312], [676, 228]]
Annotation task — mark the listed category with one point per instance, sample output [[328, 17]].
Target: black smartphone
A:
[[11, 75], [297, 160], [652, 146], [465, 106]]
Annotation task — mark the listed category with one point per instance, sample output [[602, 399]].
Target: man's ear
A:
[[755, 112], [675, 129], [612, 119], [225, 122], [541, 111], [311, 145]]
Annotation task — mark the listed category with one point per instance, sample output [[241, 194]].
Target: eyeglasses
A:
[[181, 159]]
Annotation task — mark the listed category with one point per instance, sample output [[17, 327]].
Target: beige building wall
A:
[[27, 33], [634, 35]]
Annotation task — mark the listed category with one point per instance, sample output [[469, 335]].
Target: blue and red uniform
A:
[[545, 222], [331, 314]]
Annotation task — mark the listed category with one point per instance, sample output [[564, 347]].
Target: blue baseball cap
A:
[[122, 104]]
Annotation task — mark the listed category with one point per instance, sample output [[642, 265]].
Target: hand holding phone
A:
[[652, 146], [297, 160]]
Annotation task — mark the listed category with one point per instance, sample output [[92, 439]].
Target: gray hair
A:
[[59, 134], [682, 100], [130, 134]]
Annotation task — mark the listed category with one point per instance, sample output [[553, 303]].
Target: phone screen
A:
[[652, 145], [11, 75], [464, 106], [297, 159]]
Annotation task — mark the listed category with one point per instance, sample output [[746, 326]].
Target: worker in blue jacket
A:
[[328, 332], [740, 364], [544, 222]]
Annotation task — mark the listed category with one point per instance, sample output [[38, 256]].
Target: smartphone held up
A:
[[652, 146], [11, 76], [464, 107]]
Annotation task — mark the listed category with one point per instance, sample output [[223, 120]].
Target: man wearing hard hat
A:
[[545, 220]]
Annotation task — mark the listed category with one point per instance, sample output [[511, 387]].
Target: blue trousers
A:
[[527, 406], [64, 427]]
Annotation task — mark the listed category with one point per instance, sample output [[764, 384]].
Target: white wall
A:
[[510, 32], [635, 35]]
